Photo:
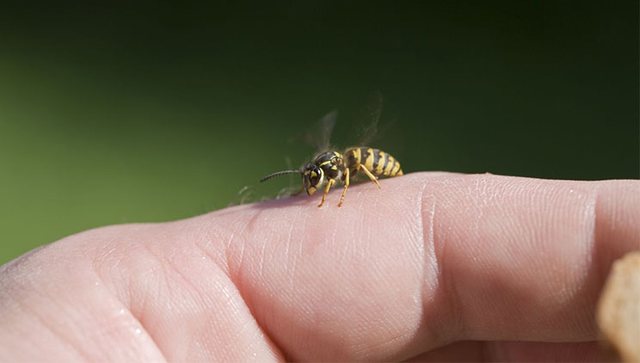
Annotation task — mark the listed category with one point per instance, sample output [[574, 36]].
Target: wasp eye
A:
[[313, 177]]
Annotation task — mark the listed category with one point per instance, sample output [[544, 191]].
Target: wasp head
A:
[[312, 178]]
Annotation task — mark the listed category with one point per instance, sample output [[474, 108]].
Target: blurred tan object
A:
[[619, 308]]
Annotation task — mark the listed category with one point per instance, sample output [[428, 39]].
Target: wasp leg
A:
[[371, 176], [346, 186], [326, 191]]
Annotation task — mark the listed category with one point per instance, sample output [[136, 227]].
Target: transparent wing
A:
[[320, 136], [370, 121]]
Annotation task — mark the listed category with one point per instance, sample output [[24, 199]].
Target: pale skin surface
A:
[[403, 272]]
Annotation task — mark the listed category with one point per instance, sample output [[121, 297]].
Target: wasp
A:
[[329, 168]]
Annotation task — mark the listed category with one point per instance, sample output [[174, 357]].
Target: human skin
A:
[[433, 266]]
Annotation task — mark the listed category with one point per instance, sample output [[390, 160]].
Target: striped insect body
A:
[[332, 167]]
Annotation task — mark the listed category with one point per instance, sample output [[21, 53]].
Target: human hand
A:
[[432, 267]]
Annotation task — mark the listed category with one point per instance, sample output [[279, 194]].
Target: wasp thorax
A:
[[312, 178]]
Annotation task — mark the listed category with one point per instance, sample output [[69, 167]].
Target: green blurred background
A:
[[114, 112]]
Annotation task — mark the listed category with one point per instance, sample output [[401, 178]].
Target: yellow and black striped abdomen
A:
[[378, 162]]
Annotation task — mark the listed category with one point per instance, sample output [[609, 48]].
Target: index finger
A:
[[428, 260]]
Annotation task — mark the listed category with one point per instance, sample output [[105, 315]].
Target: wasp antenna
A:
[[278, 173]]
